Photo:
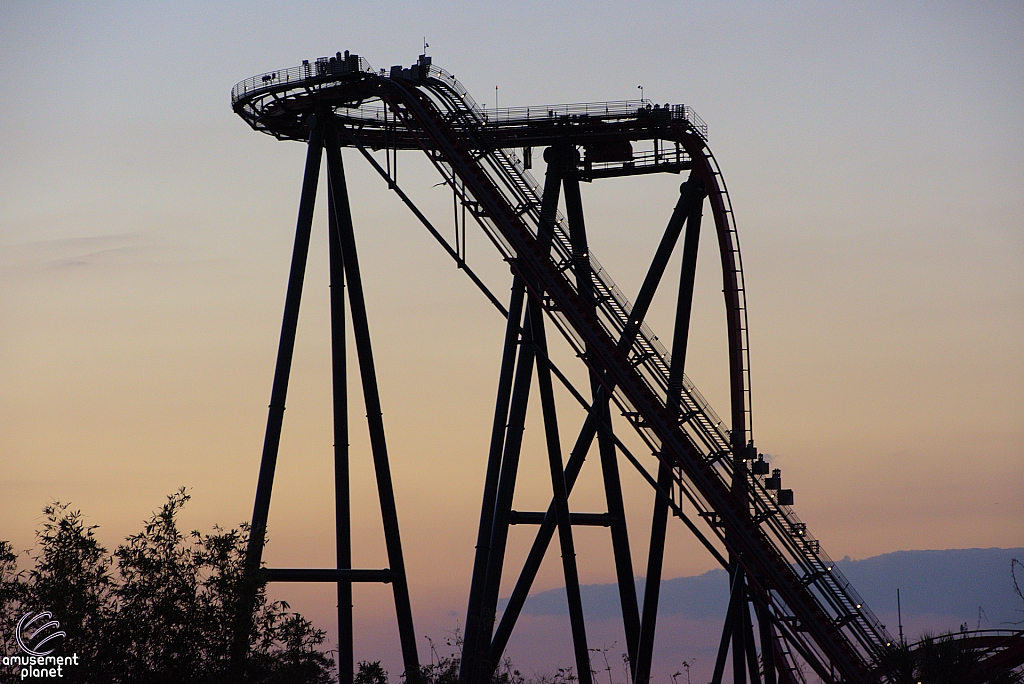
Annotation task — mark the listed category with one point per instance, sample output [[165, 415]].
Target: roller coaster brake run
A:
[[790, 608]]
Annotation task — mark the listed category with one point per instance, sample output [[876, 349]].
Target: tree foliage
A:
[[160, 608], [943, 659]]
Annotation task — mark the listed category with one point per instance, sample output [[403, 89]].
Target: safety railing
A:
[[322, 70], [611, 109], [620, 109]]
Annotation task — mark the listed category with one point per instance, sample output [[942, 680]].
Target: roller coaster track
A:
[[817, 616], [804, 585]]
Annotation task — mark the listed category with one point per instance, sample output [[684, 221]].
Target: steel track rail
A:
[[535, 266], [785, 566]]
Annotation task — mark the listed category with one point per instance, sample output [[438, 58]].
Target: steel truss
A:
[[344, 276], [790, 609]]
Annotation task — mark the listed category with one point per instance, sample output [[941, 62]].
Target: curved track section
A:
[[636, 375]]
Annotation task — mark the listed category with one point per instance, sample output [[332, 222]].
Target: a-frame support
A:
[[344, 271], [484, 645], [568, 158], [738, 633], [692, 200], [503, 463]]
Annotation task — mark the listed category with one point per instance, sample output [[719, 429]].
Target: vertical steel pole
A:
[[339, 377], [767, 644], [684, 302], [606, 447], [652, 584], [472, 638], [739, 633], [477, 652], [374, 415], [748, 638], [503, 503], [278, 395], [549, 200], [560, 497], [694, 199], [727, 630]]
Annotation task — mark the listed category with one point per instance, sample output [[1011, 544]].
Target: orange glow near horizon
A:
[[147, 235]]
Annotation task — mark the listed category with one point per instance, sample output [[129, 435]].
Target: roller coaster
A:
[[791, 613]]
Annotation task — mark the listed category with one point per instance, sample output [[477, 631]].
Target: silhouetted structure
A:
[[788, 602]]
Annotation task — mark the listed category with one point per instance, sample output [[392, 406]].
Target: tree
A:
[[71, 578], [371, 672], [898, 664], [12, 594], [161, 608], [943, 659]]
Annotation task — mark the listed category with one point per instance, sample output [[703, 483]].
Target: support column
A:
[[342, 510], [374, 415], [503, 503], [278, 395], [477, 662], [652, 582], [606, 446], [739, 633], [693, 193], [560, 497], [472, 637], [590, 426], [767, 644], [748, 640], [727, 630]]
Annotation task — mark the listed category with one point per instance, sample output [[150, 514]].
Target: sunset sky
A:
[[875, 159]]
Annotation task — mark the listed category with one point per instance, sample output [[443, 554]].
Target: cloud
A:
[[71, 254], [953, 582]]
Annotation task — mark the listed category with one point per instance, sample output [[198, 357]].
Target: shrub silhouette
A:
[[161, 608], [942, 659]]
